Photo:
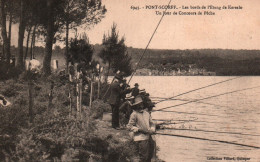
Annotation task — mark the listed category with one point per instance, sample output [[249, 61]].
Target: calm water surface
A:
[[235, 112]]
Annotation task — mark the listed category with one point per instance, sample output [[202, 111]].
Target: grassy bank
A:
[[51, 132]]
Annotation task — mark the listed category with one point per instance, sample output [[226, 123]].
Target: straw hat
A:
[[142, 91], [138, 100]]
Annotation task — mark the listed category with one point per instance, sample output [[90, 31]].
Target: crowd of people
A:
[[136, 106]]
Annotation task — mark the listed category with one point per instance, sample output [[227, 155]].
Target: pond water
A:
[[236, 115]]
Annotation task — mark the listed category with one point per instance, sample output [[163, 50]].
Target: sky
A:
[[227, 29]]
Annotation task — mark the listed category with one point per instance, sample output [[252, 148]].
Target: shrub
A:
[[10, 88], [56, 133], [98, 107], [12, 120]]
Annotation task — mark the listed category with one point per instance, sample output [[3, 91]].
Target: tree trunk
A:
[[32, 42], [67, 47], [20, 64], [30, 95], [33, 47], [107, 71], [3, 50], [27, 42], [49, 40], [8, 53], [3, 25]]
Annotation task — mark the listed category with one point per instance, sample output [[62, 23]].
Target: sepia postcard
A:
[[197, 61]]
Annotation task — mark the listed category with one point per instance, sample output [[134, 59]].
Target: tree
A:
[[27, 42], [78, 12], [6, 15], [26, 12], [35, 14], [80, 50], [21, 31], [32, 15], [2, 48], [11, 10], [123, 64], [57, 48], [70, 13], [49, 38], [26, 15], [114, 53], [47, 18], [3, 14]]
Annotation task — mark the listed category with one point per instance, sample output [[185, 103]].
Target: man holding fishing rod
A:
[[116, 94], [142, 127]]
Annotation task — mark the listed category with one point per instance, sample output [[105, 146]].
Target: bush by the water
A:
[[98, 108], [55, 133]]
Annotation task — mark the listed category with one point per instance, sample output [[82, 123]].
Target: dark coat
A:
[[135, 91], [115, 93]]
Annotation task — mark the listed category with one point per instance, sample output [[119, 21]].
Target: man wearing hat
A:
[[114, 99], [142, 126], [135, 90]]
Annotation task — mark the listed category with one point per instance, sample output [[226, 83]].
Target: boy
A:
[[140, 123]]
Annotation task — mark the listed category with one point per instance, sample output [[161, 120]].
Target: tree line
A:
[[221, 61], [46, 19]]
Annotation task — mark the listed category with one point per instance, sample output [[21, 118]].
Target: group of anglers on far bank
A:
[[136, 107]]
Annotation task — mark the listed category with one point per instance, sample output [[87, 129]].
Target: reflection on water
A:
[[236, 112]]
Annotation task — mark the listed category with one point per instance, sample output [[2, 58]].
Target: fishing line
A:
[[200, 130], [169, 123], [180, 112], [198, 121], [186, 121], [172, 120], [206, 98], [199, 89], [206, 139], [182, 122], [201, 102], [148, 43], [159, 98], [143, 52]]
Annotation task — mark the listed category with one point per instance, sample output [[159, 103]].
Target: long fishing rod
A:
[[173, 120], [159, 98], [148, 43], [200, 130], [196, 121], [206, 98], [180, 112], [198, 89], [179, 122], [200, 102], [206, 139]]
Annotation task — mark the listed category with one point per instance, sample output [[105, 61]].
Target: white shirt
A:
[[140, 120]]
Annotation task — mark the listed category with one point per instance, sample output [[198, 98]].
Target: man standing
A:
[[141, 125], [135, 90], [114, 100]]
